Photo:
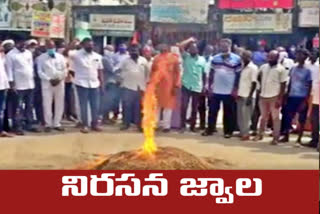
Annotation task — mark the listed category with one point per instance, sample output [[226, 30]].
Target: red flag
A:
[[243, 4], [135, 39]]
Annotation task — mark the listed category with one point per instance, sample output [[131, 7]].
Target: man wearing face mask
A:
[[52, 71], [223, 88], [120, 56], [193, 81], [88, 69], [134, 74], [273, 84], [19, 65], [111, 97]]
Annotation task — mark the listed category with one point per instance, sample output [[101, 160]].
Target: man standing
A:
[[52, 72], [314, 67], [88, 80], [193, 81], [298, 95], [273, 85], [134, 73], [112, 95], [19, 64], [246, 94], [223, 84], [167, 66], [4, 85], [208, 55]]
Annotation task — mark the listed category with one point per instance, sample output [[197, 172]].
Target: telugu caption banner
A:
[[249, 192]]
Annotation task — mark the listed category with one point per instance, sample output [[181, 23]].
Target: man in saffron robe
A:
[[167, 64]]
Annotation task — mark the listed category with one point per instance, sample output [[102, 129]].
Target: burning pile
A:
[[150, 157], [163, 159]]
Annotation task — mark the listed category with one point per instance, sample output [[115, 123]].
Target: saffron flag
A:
[[244, 4]]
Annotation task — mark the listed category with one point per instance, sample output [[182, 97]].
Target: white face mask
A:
[[108, 53]]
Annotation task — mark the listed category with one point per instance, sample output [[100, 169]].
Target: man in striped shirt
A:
[[223, 87]]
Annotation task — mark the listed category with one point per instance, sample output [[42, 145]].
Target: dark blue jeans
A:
[[131, 101], [2, 108], [112, 98], [229, 113], [291, 109], [24, 109], [188, 95], [315, 124], [89, 96]]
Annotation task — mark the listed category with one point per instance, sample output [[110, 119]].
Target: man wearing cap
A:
[[32, 45], [52, 71], [19, 65]]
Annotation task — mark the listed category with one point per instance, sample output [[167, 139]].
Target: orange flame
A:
[[150, 107]]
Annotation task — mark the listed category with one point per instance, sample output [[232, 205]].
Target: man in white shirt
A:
[[52, 72], [134, 74], [88, 70], [20, 70], [314, 114], [273, 84], [246, 94], [4, 85]]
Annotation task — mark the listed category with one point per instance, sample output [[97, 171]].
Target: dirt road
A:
[[71, 149]]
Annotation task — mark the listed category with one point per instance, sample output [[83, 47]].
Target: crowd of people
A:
[[43, 83]]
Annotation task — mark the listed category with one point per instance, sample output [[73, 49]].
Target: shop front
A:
[[110, 24]]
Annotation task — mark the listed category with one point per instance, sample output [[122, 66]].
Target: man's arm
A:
[[211, 79], [41, 72], [100, 73], [9, 65], [182, 45]]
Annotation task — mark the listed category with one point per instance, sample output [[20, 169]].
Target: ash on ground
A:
[[167, 158]]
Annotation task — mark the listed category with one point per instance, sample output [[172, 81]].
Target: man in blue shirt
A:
[[223, 85], [298, 95], [260, 56]]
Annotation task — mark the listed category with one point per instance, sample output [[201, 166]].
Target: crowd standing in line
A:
[[43, 83]]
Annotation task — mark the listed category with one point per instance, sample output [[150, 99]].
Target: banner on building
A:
[[112, 22], [243, 4], [22, 11], [5, 14], [48, 25], [41, 24], [309, 17], [309, 3], [257, 23], [57, 27], [180, 11], [105, 2]]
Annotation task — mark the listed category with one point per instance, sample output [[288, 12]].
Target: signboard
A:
[[249, 4], [21, 11], [112, 22], [257, 23], [5, 14], [105, 2], [41, 24], [48, 25], [309, 3], [58, 24], [180, 11], [309, 17]]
